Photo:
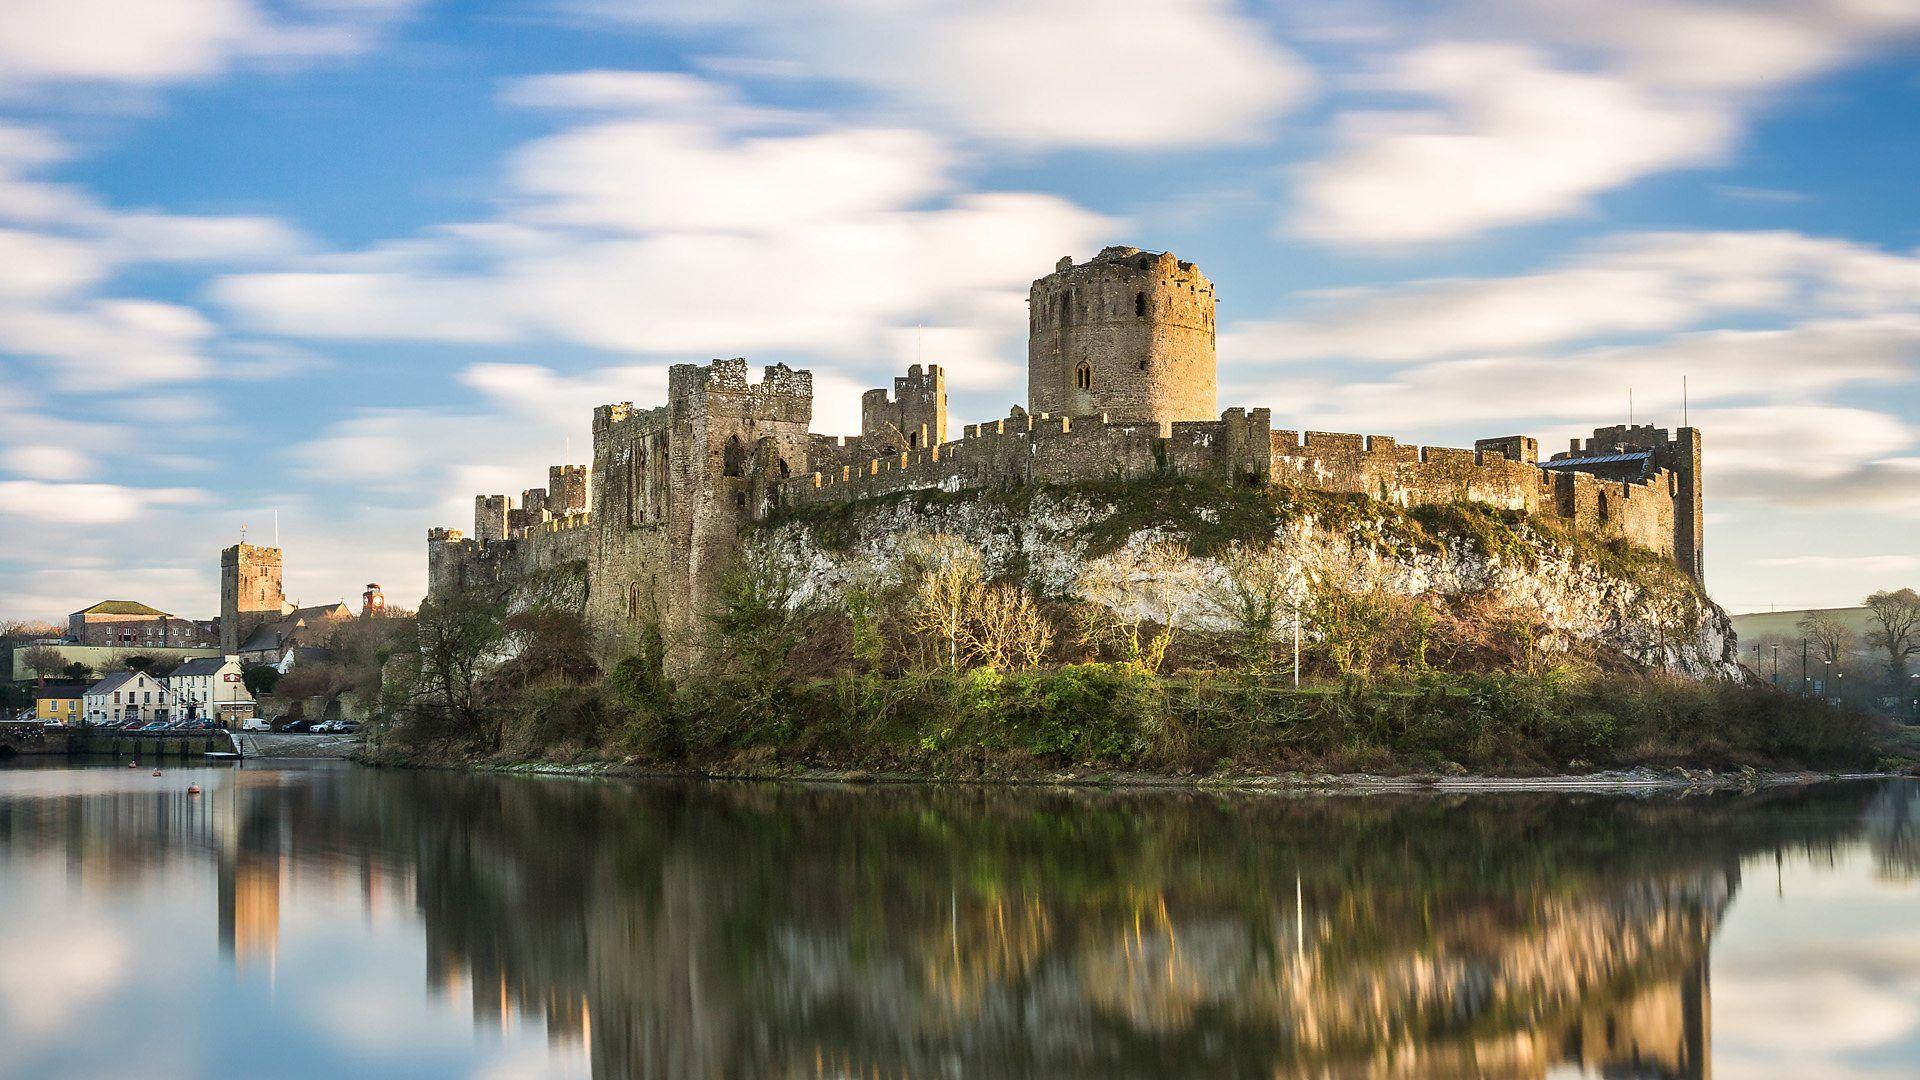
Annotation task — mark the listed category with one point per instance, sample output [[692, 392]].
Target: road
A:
[[263, 744]]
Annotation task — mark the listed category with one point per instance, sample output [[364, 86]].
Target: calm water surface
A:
[[332, 921]]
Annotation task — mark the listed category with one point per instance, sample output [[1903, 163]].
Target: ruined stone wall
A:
[[671, 487], [1128, 334], [913, 417], [631, 498]]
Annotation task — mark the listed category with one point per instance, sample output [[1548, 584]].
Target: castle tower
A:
[[912, 418], [490, 517], [1129, 333], [566, 489], [250, 592]]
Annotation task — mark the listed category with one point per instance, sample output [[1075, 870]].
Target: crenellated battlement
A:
[[1121, 380]]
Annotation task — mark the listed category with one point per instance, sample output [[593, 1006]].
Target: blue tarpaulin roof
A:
[[1603, 459]]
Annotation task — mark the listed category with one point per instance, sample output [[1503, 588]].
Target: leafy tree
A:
[[759, 623], [77, 672], [457, 635], [1257, 593], [1896, 630], [260, 679]]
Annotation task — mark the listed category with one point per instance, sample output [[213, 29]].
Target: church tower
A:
[[250, 592], [1128, 333]]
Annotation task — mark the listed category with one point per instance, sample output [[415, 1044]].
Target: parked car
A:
[[299, 726], [256, 723]]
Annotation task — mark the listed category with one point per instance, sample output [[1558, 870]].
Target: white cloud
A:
[[111, 344], [154, 237], [647, 176], [1633, 284], [1873, 564], [1720, 365], [1813, 457], [1532, 108], [45, 461], [1128, 74], [1511, 138], [37, 267], [696, 240], [88, 504], [140, 42], [1723, 45]]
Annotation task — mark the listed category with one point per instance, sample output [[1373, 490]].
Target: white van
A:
[[257, 723]]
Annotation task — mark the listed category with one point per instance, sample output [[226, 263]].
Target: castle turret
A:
[[1129, 334]]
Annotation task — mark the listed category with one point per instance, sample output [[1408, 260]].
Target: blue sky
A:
[[352, 261]]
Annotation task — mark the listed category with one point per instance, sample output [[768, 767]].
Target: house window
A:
[[1083, 376], [116, 697]]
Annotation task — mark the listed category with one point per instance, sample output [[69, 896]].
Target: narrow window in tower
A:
[[1063, 309], [733, 459], [1603, 508], [1140, 304], [1083, 376], [913, 440]]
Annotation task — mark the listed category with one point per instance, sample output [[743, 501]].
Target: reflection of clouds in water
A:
[[1823, 983], [57, 966], [1817, 1012]]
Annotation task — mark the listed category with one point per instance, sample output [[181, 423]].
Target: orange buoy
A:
[[156, 772], [193, 789]]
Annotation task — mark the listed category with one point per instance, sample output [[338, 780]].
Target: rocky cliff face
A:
[[1163, 545]]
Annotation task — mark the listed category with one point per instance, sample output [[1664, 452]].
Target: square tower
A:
[[250, 592], [1129, 333], [914, 417]]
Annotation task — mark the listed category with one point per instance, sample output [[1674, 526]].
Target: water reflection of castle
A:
[[697, 932], [711, 940]]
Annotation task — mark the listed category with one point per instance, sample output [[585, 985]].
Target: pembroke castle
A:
[[1121, 384]]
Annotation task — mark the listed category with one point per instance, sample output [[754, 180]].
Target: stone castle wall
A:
[[1242, 447], [657, 516]]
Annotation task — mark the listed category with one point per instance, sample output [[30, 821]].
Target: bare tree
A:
[[1133, 599], [1004, 628], [947, 580], [1258, 592], [1829, 636], [1896, 630], [44, 661]]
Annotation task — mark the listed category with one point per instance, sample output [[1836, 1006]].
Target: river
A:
[[325, 920]]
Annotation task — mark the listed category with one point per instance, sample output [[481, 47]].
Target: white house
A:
[[127, 696], [211, 688]]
